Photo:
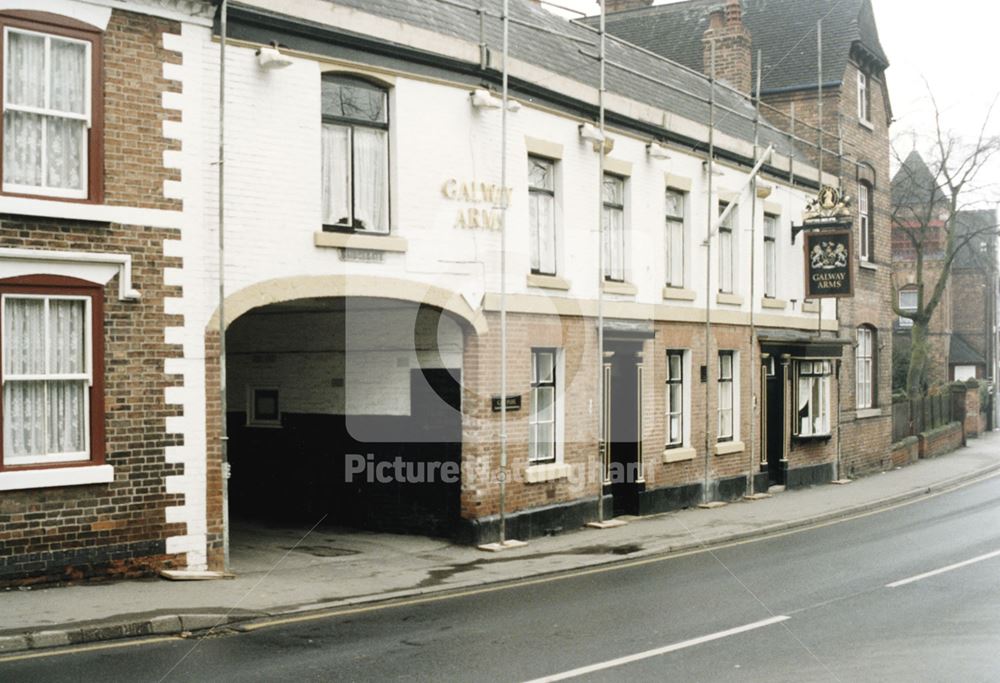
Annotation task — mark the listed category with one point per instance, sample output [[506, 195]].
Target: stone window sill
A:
[[50, 477], [776, 304], [728, 299], [537, 474], [678, 454], [548, 282], [864, 413], [866, 124], [868, 265], [678, 294], [810, 306], [353, 240], [729, 447], [620, 288]]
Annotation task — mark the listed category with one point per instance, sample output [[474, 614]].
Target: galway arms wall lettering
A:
[[482, 202]]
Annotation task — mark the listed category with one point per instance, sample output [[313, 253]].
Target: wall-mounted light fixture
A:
[[715, 171], [590, 133], [764, 190], [482, 98], [656, 151], [270, 58]]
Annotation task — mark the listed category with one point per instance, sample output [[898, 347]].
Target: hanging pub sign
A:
[[828, 208], [828, 264]]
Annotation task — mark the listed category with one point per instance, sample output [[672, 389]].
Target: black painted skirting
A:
[[76, 564], [812, 475], [654, 501], [526, 524]]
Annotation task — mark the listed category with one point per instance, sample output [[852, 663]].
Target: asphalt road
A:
[[820, 604]]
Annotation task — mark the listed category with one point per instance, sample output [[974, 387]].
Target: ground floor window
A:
[[542, 418], [725, 395], [813, 398], [49, 368], [675, 399]]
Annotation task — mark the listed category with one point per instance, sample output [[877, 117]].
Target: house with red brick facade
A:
[[98, 127], [856, 113]]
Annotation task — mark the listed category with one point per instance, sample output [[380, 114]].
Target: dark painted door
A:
[[623, 439], [775, 423]]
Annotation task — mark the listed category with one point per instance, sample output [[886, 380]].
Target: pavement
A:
[[281, 571]]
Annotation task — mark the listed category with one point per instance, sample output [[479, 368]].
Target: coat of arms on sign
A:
[[828, 205]]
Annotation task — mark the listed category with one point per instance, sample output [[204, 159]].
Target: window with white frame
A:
[[726, 397], [355, 149], [542, 215], [812, 397], [614, 228], [542, 418], [675, 399], [48, 378], [727, 258], [864, 99], [674, 237], [770, 255], [864, 221], [49, 110], [864, 367], [907, 302]]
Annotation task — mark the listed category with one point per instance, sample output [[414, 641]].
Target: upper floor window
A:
[[907, 302], [864, 98], [51, 107], [542, 215], [865, 241], [727, 257], [355, 150], [614, 228], [675, 238], [52, 403], [864, 367], [770, 255]]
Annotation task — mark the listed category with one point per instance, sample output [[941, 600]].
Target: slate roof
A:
[[974, 255], [563, 56], [962, 353], [783, 30], [914, 183]]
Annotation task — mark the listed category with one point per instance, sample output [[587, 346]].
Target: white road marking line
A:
[[611, 663], [942, 570]]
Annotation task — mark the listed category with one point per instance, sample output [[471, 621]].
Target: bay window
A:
[[812, 398], [52, 401], [355, 149], [614, 228], [542, 215], [51, 108]]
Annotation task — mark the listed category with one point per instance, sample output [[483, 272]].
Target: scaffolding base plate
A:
[[509, 544], [609, 524]]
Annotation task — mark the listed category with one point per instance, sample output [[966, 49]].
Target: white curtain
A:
[[68, 76], [336, 175], [25, 69], [22, 148], [64, 139], [44, 416], [371, 179], [543, 227]]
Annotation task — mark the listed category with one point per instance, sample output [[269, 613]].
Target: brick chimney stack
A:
[[733, 54], [619, 5]]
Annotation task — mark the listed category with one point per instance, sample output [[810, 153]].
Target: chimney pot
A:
[[733, 47]]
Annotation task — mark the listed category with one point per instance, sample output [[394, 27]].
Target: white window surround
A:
[[722, 446], [536, 474], [14, 480], [560, 422], [96, 267]]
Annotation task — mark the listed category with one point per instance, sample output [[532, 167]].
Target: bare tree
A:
[[929, 200]]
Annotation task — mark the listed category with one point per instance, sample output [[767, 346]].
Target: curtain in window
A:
[[336, 175], [64, 139], [543, 246], [614, 244], [371, 174], [65, 429], [24, 337], [68, 76], [25, 69], [66, 335]]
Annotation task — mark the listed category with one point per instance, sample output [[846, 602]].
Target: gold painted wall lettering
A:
[[488, 196]]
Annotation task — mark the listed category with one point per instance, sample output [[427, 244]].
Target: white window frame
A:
[[727, 249], [864, 367], [813, 371], [45, 190], [534, 229], [670, 410], [86, 376], [906, 322], [675, 238], [770, 255], [864, 220], [864, 97], [611, 273], [726, 387], [533, 420]]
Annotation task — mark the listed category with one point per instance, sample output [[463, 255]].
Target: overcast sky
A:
[[953, 45]]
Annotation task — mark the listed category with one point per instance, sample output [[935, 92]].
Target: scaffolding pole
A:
[[710, 170], [503, 284], [602, 437]]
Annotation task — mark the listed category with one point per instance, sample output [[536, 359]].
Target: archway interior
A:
[[347, 408]]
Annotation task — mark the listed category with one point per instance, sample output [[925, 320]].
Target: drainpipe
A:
[[223, 427], [503, 286], [754, 370]]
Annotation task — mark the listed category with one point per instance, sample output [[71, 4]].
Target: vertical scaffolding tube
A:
[[753, 279], [503, 284], [709, 219], [819, 104]]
